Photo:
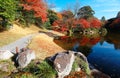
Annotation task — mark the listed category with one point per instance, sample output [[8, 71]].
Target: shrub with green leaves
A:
[[7, 12]]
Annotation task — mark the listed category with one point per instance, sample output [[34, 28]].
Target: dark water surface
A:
[[102, 52], [106, 58]]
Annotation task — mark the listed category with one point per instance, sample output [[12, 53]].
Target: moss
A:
[[9, 65], [79, 63], [45, 70], [37, 70]]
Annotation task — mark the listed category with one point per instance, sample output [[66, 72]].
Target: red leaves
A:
[[95, 23], [38, 6], [84, 23]]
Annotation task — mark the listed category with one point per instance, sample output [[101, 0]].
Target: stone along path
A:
[[20, 43]]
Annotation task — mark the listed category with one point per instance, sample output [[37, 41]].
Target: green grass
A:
[[42, 70]]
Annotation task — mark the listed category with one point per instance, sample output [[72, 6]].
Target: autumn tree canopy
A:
[[37, 6]]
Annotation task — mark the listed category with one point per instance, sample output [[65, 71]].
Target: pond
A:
[[102, 52]]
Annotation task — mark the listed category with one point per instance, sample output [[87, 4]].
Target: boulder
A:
[[97, 74], [63, 63], [24, 57], [5, 54], [6, 66]]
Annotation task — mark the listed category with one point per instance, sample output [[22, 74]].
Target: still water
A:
[[102, 52]]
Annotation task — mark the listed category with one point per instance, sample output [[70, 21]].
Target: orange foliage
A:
[[59, 15], [94, 22], [37, 6]]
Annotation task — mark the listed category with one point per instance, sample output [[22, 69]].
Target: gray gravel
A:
[[21, 43]]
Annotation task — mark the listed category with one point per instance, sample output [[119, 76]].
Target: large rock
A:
[[97, 74], [5, 54], [24, 58], [63, 63]]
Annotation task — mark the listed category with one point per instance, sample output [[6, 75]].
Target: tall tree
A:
[[85, 12], [52, 16], [118, 15], [67, 14], [7, 12], [8, 9], [103, 19], [76, 7], [37, 6]]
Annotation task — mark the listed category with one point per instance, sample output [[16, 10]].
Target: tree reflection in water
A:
[[80, 43]]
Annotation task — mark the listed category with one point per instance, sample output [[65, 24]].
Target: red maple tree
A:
[[37, 6], [95, 23], [83, 22]]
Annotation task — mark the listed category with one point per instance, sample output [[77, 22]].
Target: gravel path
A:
[[21, 43]]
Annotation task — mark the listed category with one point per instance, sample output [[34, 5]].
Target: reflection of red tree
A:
[[93, 41], [86, 40], [68, 42]]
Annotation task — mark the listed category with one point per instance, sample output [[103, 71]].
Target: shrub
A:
[[7, 12]]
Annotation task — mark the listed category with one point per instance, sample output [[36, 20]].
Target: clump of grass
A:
[[45, 70], [79, 63], [41, 70]]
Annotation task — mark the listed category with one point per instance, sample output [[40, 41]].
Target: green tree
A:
[[7, 12], [52, 16], [118, 14], [85, 12], [103, 19]]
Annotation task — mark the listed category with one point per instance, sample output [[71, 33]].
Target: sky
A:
[[107, 8]]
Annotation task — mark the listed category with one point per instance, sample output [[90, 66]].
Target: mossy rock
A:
[[4, 74], [22, 75], [7, 66]]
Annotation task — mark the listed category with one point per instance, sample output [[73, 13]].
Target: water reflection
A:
[[80, 43], [102, 52], [106, 58], [113, 38]]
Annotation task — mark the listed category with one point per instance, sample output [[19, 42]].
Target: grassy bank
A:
[[15, 33]]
